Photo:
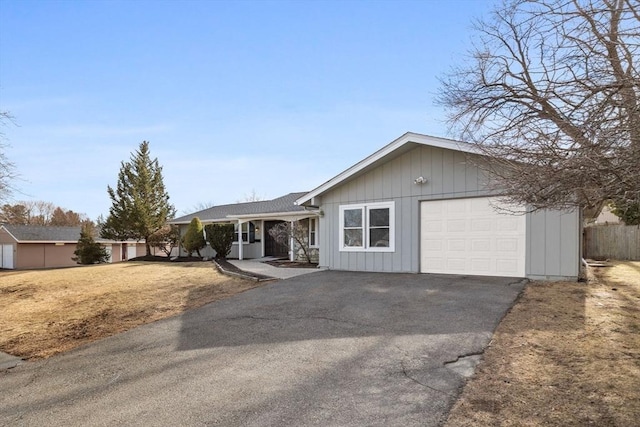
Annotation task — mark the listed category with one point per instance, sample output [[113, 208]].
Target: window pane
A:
[[353, 238], [353, 218], [379, 237], [379, 217]]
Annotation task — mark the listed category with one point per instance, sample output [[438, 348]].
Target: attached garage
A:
[[474, 236], [421, 204]]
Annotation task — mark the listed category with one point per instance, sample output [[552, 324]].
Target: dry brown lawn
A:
[[44, 312], [567, 354]]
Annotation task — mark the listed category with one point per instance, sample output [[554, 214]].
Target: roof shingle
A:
[[282, 204]]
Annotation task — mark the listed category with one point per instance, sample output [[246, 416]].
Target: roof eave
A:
[[274, 215]]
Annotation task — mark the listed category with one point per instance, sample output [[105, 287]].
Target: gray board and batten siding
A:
[[552, 238]]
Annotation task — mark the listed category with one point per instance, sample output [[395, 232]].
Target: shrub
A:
[[88, 251], [193, 239], [165, 239], [220, 237]]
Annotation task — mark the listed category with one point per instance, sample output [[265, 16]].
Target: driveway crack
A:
[[407, 375]]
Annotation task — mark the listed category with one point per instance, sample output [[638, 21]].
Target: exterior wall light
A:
[[420, 180]]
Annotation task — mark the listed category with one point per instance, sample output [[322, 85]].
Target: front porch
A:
[[253, 220]]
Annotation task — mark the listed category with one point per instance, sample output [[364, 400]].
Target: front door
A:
[[271, 246]]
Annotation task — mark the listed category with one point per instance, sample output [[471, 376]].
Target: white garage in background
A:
[[474, 236]]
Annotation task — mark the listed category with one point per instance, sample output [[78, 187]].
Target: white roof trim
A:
[[249, 217], [407, 138], [275, 215]]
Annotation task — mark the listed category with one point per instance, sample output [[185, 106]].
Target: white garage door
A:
[[468, 236]]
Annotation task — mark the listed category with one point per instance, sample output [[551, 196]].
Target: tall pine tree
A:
[[140, 202]]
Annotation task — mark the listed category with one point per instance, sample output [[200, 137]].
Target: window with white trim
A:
[[367, 227], [248, 232], [313, 232]]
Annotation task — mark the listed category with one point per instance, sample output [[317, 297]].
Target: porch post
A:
[[239, 240], [291, 244]]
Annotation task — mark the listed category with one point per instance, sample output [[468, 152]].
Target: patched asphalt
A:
[[329, 348]]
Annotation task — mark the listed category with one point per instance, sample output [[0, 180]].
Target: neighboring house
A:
[[252, 221], [420, 204], [607, 217], [32, 246]]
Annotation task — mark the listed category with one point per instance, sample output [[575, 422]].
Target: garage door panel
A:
[[481, 245], [457, 245], [432, 225], [508, 224], [481, 265], [456, 226], [432, 244], [481, 225], [456, 264], [507, 245], [434, 264], [472, 238], [507, 266]]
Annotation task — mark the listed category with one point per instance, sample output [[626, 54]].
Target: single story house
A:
[[420, 204], [252, 221], [32, 246]]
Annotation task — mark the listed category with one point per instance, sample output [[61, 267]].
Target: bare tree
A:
[[7, 168], [297, 231], [251, 197], [40, 213], [200, 206], [550, 93]]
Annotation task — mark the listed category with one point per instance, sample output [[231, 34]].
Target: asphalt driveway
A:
[[330, 348]]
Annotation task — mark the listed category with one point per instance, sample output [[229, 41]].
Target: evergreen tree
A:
[[88, 251], [140, 202], [193, 239], [629, 212]]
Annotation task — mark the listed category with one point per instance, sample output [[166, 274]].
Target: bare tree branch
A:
[[550, 93]]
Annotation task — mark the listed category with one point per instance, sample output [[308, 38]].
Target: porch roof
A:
[[282, 207]]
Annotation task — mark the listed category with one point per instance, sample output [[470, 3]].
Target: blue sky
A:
[[234, 97]]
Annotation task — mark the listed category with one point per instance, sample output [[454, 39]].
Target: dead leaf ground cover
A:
[[567, 354], [45, 312]]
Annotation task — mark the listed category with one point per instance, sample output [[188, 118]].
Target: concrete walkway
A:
[[257, 266]]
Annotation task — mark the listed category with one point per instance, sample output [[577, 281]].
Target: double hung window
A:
[[313, 232], [248, 232], [367, 227]]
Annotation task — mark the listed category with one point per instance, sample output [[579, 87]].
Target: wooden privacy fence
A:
[[614, 241]]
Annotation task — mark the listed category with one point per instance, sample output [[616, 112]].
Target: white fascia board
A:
[[276, 215], [407, 138], [204, 221], [24, 242]]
